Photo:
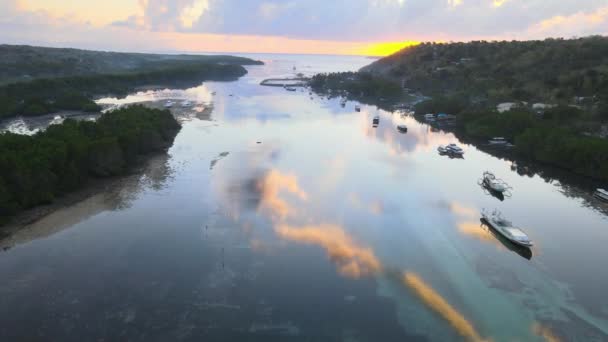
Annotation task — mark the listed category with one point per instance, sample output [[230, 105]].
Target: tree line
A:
[[36, 169], [43, 96], [556, 136]]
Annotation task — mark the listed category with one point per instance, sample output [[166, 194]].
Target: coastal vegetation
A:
[[557, 136], [556, 92], [552, 70], [36, 80], [43, 96], [37, 169], [358, 85], [26, 63]]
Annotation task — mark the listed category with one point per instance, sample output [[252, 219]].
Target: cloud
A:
[[313, 26], [578, 24]]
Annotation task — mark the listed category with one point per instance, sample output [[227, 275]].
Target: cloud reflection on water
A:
[[352, 260], [437, 303], [270, 187]]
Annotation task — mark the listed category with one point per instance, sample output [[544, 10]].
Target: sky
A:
[[351, 27]]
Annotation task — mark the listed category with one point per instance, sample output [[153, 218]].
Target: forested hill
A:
[[24, 63], [552, 70]]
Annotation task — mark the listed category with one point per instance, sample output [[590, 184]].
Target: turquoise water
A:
[[290, 218]]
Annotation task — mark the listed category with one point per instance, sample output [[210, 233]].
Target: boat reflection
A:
[[491, 192], [524, 252]]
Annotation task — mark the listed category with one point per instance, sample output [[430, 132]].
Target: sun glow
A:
[[385, 49]]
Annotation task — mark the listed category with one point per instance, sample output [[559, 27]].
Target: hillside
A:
[[36, 81], [24, 63], [553, 70], [549, 98]]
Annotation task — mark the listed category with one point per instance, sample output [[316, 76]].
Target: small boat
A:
[[429, 117], [402, 128], [506, 228], [290, 88], [357, 108], [498, 141], [169, 104], [492, 183], [601, 194], [186, 104], [376, 121]]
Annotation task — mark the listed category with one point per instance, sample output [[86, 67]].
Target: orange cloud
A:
[[351, 259], [577, 22], [272, 185], [438, 304]]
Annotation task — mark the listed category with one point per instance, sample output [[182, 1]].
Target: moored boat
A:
[[169, 104], [451, 149], [498, 141], [602, 194], [490, 182], [506, 228]]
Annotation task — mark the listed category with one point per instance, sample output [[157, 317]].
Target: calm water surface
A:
[[290, 218]]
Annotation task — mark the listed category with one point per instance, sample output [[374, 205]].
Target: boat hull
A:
[[601, 196], [498, 229]]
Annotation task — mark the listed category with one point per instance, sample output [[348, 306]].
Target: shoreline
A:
[[94, 187], [532, 167]]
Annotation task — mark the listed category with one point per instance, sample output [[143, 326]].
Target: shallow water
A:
[[290, 218]]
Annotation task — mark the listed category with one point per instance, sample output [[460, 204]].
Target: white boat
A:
[[402, 128], [429, 117], [506, 228], [186, 104], [169, 104], [290, 88], [602, 194], [452, 149], [455, 149], [498, 141], [490, 181]]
